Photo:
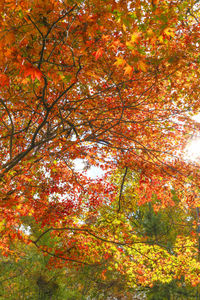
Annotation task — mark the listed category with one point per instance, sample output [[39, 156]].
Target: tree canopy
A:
[[114, 84]]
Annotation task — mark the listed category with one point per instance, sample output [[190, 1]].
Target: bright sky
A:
[[192, 151], [93, 172]]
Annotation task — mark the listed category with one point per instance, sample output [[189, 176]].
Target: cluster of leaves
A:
[[113, 84], [153, 259]]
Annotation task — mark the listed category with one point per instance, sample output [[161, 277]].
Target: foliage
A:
[[113, 84]]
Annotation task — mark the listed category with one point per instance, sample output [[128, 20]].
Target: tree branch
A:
[[121, 189]]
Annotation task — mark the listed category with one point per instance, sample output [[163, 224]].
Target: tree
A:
[[28, 277], [113, 83], [140, 253]]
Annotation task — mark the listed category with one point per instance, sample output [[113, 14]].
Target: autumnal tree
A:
[[33, 275], [113, 83]]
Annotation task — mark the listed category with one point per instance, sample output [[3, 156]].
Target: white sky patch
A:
[[95, 172], [92, 172], [192, 151], [196, 118]]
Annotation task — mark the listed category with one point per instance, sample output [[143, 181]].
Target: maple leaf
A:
[[119, 62], [33, 72], [128, 70], [116, 44], [155, 2], [4, 80], [169, 32], [130, 45], [98, 53], [10, 38], [135, 37], [105, 37], [142, 66]]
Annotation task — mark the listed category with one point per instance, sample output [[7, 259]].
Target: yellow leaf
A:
[[142, 66], [150, 32], [129, 45], [119, 62], [160, 39], [169, 32], [124, 27], [135, 36], [116, 222]]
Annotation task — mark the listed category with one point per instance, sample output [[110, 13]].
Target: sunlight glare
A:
[[192, 151]]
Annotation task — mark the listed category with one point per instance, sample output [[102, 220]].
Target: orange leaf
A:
[[33, 72], [9, 38], [142, 66], [98, 53], [169, 32], [128, 70]]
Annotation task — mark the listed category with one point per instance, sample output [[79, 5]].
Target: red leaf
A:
[[98, 53], [4, 80]]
